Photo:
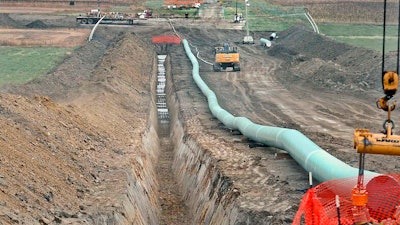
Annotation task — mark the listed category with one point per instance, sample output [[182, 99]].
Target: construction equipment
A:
[[146, 14], [382, 143], [180, 4], [95, 15], [226, 56]]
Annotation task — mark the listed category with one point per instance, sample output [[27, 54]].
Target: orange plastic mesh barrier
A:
[[166, 39], [318, 205]]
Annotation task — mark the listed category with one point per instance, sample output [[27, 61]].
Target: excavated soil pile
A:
[[7, 22], [68, 162], [37, 24], [327, 64]]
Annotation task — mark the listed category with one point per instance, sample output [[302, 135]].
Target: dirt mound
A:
[[327, 63], [59, 159], [8, 22], [37, 24], [300, 39]]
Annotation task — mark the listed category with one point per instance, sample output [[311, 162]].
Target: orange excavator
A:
[[226, 56]]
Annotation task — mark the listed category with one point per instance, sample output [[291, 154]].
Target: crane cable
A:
[[398, 39], [384, 38], [390, 79]]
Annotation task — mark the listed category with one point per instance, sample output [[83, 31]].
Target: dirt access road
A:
[[71, 139]]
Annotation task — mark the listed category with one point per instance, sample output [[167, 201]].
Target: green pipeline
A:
[[310, 156]]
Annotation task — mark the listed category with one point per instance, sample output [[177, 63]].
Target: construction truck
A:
[[146, 14], [226, 56], [95, 15]]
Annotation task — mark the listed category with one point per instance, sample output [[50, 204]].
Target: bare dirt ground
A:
[[57, 37], [68, 138]]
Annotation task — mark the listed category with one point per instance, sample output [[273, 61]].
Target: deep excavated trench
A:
[[173, 210], [191, 188]]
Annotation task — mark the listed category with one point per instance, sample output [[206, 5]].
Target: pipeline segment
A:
[[310, 156], [94, 28]]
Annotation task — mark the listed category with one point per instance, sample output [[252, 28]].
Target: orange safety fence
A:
[[167, 39], [318, 205]]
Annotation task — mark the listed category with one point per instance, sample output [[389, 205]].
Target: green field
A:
[[367, 36], [266, 17], [22, 64]]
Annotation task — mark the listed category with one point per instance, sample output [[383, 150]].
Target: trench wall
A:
[[139, 204]]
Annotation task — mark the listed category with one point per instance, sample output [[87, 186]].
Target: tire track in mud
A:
[[300, 108]]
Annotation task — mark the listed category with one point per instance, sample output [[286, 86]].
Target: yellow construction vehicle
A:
[[226, 56]]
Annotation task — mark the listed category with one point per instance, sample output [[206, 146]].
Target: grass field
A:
[[20, 65], [368, 36]]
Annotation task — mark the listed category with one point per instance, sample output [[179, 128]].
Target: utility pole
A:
[[236, 20], [247, 17], [236, 8], [247, 39]]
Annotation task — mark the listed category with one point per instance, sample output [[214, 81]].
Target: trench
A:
[[174, 179], [192, 189], [173, 209], [208, 197]]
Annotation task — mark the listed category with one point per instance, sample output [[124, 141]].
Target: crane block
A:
[[390, 82]]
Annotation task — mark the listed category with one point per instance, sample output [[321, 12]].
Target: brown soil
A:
[[41, 37], [69, 138]]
